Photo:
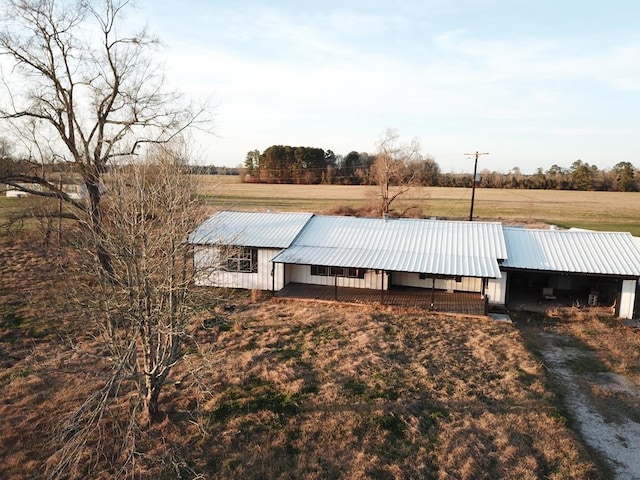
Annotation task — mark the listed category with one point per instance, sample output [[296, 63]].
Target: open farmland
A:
[[604, 211], [613, 211]]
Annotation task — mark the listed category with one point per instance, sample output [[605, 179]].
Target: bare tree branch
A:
[[86, 92]]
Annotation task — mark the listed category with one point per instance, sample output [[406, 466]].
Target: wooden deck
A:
[[437, 300]]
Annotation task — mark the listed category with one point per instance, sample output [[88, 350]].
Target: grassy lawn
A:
[[290, 390], [271, 389], [603, 211]]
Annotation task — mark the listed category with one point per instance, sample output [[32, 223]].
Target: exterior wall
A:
[[16, 193], [373, 280], [75, 191], [207, 259], [497, 290], [302, 274], [627, 299], [467, 284]]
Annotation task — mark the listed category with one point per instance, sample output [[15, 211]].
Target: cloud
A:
[[334, 71]]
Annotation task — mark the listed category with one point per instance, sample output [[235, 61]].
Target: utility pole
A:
[[473, 180]]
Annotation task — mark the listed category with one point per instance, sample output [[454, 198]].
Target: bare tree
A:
[[389, 170], [142, 306], [80, 91]]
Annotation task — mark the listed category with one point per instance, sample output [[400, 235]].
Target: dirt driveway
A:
[[602, 405]]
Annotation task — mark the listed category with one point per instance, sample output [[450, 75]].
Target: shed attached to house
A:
[[572, 267], [235, 249]]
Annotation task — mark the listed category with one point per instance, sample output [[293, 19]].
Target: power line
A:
[[473, 180]]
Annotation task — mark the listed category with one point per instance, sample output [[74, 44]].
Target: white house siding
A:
[[467, 284], [496, 290], [265, 280], [302, 274], [207, 258], [627, 298]]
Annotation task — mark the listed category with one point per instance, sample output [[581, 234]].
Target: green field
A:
[[605, 211]]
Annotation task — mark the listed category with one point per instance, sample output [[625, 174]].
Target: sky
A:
[[532, 83]]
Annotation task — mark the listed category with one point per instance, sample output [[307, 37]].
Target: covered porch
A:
[[437, 300]]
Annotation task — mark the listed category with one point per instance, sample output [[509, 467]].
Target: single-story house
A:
[[504, 265], [236, 249], [379, 253]]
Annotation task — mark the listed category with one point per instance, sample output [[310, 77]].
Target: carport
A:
[[571, 268]]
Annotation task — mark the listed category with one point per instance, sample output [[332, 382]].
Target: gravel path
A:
[[618, 440]]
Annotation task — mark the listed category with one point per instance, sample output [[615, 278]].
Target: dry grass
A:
[[613, 211], [610, 349], [291, 390]]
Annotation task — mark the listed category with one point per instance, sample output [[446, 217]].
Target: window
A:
[[319, 270], [242, 259], [337, 271]]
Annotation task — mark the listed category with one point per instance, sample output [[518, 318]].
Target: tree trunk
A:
[[150, 399], [95, 195]]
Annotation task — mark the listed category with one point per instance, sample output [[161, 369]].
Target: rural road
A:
[[613, 434]]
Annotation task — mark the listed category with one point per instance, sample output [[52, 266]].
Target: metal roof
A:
[[572, 251], [250, 229], [406, 245]]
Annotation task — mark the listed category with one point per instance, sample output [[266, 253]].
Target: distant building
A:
[[75, 190]]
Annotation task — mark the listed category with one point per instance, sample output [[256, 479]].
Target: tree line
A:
[[309, 165]]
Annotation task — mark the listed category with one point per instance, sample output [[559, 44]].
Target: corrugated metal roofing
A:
[[405, 245], [572, 251], [250, 229]]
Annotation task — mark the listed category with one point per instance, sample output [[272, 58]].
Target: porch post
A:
[[433, 293], [273, 279]]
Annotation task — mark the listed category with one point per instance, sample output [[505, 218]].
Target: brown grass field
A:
[[294, 390], [605, 211]]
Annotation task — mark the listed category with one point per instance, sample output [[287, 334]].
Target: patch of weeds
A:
[[17, 374], [525, 378], [379, 473], [252, 344], [435, 414], [40, 331], [381, 390], [255, 395], [389, 385], [286, 351], [292, 437], [189, 350], [354, 387], [12, 320], [585, 364], [590, 333], [289, 353], [219, 322], [381, 317], [310, 377], [326, 332], [558, 415], [388, 422]]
